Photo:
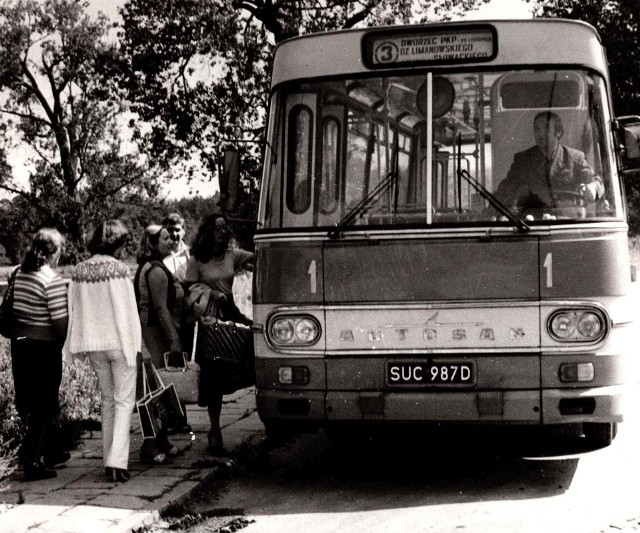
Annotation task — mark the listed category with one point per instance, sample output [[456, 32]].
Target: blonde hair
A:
[[45, 243], [148, 249]]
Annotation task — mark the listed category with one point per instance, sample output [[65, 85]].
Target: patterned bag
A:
[[184, 377], [7, 316], [159, 408]]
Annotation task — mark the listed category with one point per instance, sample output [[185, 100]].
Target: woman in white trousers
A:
[[104, 323]]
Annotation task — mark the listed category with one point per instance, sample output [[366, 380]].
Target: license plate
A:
[[423, 373]]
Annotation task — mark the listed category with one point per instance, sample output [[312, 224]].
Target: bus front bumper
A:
[[549, 406]]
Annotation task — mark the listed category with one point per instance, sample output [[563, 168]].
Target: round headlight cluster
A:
[[293, 330], [577, 325]]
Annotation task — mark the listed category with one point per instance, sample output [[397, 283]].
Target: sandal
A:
[[173, 451], [149, 458], [164, 446]]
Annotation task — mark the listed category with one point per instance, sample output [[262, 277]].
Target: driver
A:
[[546, 168]]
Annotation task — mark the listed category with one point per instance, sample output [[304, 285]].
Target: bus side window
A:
[[299, 168], [331, 164], [301, 130]]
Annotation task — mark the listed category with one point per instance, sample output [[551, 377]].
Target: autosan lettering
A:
[[459, 334], [486, 334], [430, 334], [346, 335]]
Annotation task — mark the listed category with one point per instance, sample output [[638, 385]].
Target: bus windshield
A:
[[437, 148]]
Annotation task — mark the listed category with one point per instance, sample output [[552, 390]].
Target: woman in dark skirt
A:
[[214, 263]]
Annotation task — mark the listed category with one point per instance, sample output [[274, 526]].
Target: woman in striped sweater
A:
[[40, 309]]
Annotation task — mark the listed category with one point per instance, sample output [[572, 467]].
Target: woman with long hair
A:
[[214, 263], [40, 309]]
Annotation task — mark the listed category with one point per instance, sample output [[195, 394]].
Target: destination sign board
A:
[[384, 49]]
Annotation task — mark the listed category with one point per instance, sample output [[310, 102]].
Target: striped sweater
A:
[[40, 304]]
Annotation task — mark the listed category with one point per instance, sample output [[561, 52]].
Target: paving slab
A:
[[82, 499]]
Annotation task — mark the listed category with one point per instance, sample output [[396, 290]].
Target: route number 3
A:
[[548, 266]]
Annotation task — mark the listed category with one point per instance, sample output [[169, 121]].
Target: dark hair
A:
[[108, 237], [173, 219], [202, 248], [548, 116], [44, 244], [148, 250]]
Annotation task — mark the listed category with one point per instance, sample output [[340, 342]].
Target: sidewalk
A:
[[80, 499]]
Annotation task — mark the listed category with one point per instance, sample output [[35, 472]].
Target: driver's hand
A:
[[589, 191]]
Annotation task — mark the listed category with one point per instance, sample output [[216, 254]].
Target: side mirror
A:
[[229, 179], [629, 141]]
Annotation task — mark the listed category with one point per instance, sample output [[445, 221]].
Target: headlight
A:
[[577, 325], [563, 325], [294, 330], [589, 325]]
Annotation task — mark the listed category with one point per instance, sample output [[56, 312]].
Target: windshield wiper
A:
[[368, 201], [497, 204]]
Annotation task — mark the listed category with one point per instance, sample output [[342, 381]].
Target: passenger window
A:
[[329, 193], [299, 167]]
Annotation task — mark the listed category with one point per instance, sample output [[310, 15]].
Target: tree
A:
[[199, 70], [56, 72], [618, 23]]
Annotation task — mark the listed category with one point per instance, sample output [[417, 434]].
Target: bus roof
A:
[[514, 43]]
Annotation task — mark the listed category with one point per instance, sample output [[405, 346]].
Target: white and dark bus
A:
[[394, 282]]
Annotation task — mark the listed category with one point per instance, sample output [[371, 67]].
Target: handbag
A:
[[160, 407], [184, 377], [7, 316], [230, 346]]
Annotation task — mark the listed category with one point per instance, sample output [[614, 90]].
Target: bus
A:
[[394, 281]]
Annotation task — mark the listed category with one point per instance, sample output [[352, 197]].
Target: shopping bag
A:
[[7, 316], [183, 376], [159, 408], [230, 346]]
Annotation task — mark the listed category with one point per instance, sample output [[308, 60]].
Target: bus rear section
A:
[[394, 281]]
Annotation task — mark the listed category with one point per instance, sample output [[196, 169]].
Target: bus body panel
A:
[[565, 42], [584, 263], [421, 270]]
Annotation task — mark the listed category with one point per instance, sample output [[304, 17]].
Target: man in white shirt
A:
[[176, 262]]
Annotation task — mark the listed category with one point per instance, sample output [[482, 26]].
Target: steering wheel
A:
[[566, 197]]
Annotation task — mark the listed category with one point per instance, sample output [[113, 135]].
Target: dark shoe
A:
[[153, 458], [186, 428], [56, 458], [37, 471], [119, 475], [171, 450], [218, 451]]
